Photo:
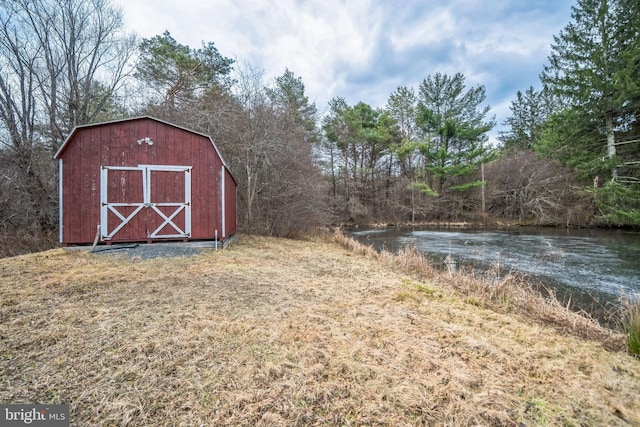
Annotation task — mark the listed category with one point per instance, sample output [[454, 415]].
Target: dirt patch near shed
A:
[[283, 332]]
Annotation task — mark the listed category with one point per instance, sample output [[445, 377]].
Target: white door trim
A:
[[145, 170]]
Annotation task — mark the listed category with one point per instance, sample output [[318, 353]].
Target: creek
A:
[[591, 269]]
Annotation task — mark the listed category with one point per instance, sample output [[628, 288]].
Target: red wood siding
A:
[[115, 144]]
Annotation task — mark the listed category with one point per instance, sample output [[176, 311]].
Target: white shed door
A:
[[145, 202]]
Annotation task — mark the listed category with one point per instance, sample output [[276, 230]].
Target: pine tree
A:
[[594, 69], [586, 57], [454, 129], [528, 115], [288, 95], [179, 73]]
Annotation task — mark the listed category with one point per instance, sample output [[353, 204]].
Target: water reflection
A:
[[590, 265]]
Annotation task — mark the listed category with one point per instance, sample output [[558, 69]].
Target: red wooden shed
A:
[[143, 179]]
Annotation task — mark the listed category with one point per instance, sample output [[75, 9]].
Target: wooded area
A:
[[569, 155]]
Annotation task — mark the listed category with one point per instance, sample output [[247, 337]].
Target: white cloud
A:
[[364, 49], [436, 25], [313, 41]]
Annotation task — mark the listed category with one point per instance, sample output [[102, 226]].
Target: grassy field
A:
[[277, 332]]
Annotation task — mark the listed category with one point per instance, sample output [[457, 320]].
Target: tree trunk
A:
[[611, 144]]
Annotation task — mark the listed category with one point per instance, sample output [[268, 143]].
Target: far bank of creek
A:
[[589, 269]]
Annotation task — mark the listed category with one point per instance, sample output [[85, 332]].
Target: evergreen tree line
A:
[[569, 154]]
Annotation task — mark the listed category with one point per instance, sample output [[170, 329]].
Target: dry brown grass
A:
[[506, 294], [278, 332]]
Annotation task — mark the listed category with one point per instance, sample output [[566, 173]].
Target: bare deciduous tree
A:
[[62, 63], [524, 188], [283, 191]]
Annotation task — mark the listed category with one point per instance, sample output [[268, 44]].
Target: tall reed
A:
[[631, 324]]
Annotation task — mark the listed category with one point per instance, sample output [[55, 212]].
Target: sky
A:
[[363, 50]]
